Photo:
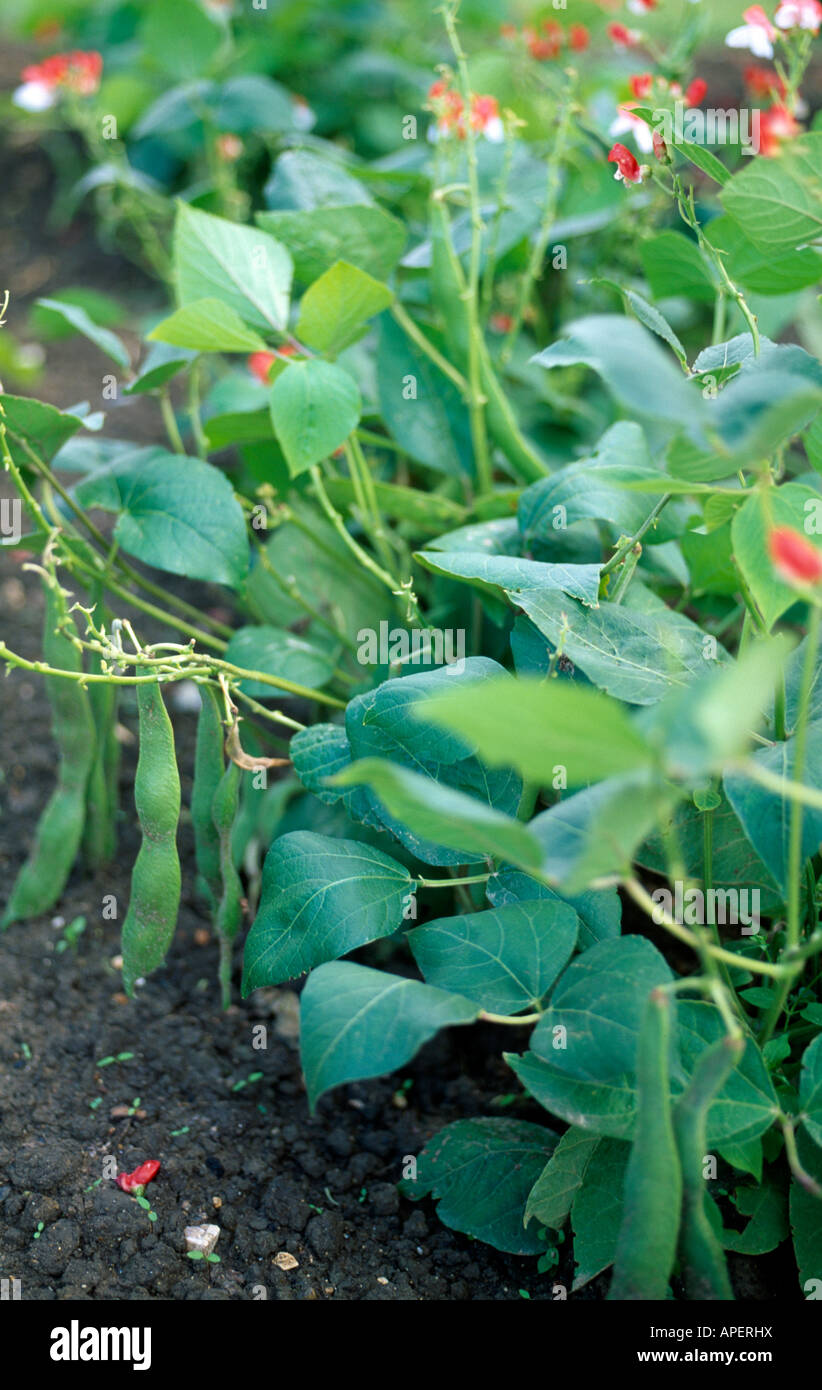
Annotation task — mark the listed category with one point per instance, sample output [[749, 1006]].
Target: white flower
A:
[[34, 96], [494, 130], [628, 124], [750, 36]]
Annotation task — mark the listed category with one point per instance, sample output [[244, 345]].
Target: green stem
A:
[[425, 346], [170, 422], [553, 185], [628, 545], [476, 406], [451, 882]]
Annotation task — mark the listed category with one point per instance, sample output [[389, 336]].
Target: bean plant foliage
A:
[[503, 441]]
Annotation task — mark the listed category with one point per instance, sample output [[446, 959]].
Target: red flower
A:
[[136, 1181], [775, 126], [641, 85], [501, 323], [660, 148], [260, 364], [764, 83], [578, 37], [696, 93], [627, 166], [795, 560], [547, 47]]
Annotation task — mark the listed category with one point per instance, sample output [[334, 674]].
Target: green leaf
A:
[[43, 427], [647, 315], [79, 320], [760, 271], [240, 266], [506, 958], [540, 727], [767, 1207], [422, 409], [160, 34], [735, 861], [595, 833], [603, 1107], [480, 1172], [778, 203], [599, 912], [320, 899], [314, 406], [208, 325], [593, 489], [674, 265], [765, 816], [810, 1090], [387, 723], [789, 505], [162, 362], [436, 812], [636, 656], [366, 237], [335, 309], [304, 179], [592, 1024], [553, 1193], [747, 1104], [278, 653], [525, 583], [356, 1023], [640, 374], [178, 514], [596, 1215]]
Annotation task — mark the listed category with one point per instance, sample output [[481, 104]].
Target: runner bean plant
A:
[[504, 447]]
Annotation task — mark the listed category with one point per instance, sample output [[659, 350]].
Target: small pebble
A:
[[285, 1261], [202, 1238]]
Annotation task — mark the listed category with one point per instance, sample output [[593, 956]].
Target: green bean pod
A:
[[208, 770], [647, 1242], [704, 1267], [229, 909], [60, 828], [155, 880]]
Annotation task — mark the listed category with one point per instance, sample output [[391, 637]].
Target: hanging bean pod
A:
[[155, 881], [60, 828], [208, 769], [646, 1247]]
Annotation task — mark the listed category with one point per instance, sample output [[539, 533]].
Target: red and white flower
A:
[[628, 168], [64, 72], [757, 33], [449, 110], [642, 6], [624, 37], [799, 14]]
